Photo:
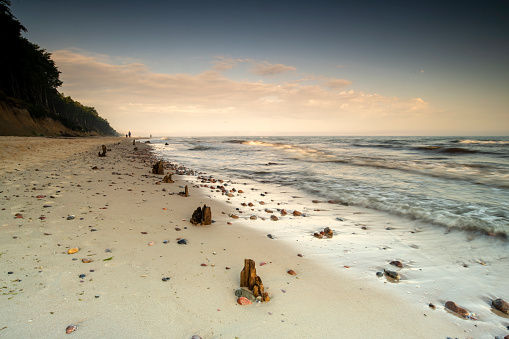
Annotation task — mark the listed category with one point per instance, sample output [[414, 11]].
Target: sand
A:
[[121, 218]]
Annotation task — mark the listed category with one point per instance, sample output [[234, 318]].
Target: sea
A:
[[440, 205], [452, 182]]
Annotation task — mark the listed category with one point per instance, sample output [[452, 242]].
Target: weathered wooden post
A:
[[158, 167]]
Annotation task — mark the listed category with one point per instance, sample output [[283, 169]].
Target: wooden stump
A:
[[103, 154], [249, 279], [167, 179], [202, 216], [158, 167]]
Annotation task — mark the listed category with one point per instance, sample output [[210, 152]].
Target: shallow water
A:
[[452, 182]]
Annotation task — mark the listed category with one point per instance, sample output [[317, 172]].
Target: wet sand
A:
[[122, 217]]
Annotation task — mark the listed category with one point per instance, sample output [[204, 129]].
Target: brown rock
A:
[[71, 328], [291, 272], [318, 235], [501, 305], [297, 213], [86, 260], [274, 218], [284, 212], [396, 263], [73, 250], [262, 202], [452, 306], [243, 301]]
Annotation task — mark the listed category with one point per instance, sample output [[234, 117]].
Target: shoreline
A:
[[121, 200]]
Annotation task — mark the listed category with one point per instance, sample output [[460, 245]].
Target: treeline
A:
[[27, 73]]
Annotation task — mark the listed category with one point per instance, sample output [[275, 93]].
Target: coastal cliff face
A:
[[18, 122]]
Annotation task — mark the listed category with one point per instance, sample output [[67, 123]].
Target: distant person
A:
[[129, 134], [126, 135]]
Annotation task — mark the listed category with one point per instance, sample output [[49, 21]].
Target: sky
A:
[[321, 67]]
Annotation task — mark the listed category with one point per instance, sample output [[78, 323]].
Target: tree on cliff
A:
[[28, 73]]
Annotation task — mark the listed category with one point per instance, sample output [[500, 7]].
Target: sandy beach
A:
[[57, 194]]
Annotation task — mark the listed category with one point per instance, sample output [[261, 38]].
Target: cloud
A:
[[132, 96], [337, 83], [265, 68]]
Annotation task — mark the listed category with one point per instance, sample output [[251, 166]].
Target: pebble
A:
[[70, 217], [501, 305], [73, 250], [452, 306], [291, 272], [396, 263], [244, 301], [271, 236], [392, 274], [432, 306], [81, 276], [71, 328], [166, 279], [379, 274], [165, 241], [182, 242], [10, 272]]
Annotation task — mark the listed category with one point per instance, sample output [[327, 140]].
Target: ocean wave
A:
[[489, 142], [235, 141], [449, 150], [201, 148]]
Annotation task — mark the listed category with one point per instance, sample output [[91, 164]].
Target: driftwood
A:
[[167, 179], [249, 279], [158, 167], [103, 154], [202, 216], [134, 142]]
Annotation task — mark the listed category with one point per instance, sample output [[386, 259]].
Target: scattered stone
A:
[[81, 276], [71, 328], [392, 274], [396, 263], [291, 272], [432, 306], [300, 255], [182, 242], [379, 274], [317, 235], [166, 279], [73, 250], [165, 241], [86, 260], [253, 217], [283, 212], [70, 217], [271, 236], [452, 306], [297, 213], [274, 218], [501, 305], [244, 292], [243, 301], [167, 178]]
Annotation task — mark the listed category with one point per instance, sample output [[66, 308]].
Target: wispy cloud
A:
[[131, 96], [265, 68]]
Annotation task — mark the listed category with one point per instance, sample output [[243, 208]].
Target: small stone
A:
[[165, 241], [297, 213], [73, 250], [182, 242], [452, 306], [71, 328], [10, 272], [501, 305], [300, 255], [291, 272], [70, 217], [97, 296], [253, 217], [244, 301], [86, 260], [396, 263], [317, 235], [244, 292], [274, 218], [270, 236], [432, 306], [379, 274], [392, 274], [81, 276], [166, 279]]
